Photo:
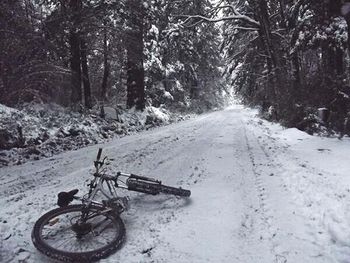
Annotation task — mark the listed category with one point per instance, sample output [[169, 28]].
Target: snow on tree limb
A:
[[246, 28], [218, 19], [236, 16]]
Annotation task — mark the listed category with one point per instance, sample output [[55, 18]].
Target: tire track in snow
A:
[[324, 206], [21, 184], [291, 175], [259, 157]]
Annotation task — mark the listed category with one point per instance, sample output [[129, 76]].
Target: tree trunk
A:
[[106, 67], [282, 6], [296, 74], [76, 95], [334, 7], [280, 88], [265, 35], [135, 69], [74, 41], [85, 70], [347, 18], [339, 61], [333, 59], [345, 12]]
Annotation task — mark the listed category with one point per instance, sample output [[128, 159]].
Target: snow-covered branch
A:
[[246, 28], [218, 19], [236, 16]]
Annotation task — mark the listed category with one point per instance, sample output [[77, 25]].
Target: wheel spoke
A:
[[67, 239], [104, 228]]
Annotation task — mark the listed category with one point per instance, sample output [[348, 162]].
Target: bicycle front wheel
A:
[[60, 234]]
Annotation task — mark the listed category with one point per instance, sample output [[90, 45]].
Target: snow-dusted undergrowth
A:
[[48, 129]]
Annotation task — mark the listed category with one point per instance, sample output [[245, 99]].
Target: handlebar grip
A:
[[99, 154]]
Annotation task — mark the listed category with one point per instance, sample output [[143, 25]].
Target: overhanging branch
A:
[[200, 18], [192, 20]]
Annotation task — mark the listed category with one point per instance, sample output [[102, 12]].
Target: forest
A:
[[93, 52], [288, 54], [288, 58]]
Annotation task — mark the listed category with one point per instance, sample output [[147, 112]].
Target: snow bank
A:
[[315, 170], [293, 135]]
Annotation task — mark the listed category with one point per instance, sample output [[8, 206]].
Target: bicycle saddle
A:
[[64, 198]]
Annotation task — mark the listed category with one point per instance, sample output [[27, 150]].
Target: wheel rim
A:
[[63, 232]]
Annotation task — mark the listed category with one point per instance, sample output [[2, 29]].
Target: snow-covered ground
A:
[[260, 193]]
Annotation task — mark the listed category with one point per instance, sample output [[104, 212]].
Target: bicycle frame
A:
[[107, 184], [99, 187], [102, 183]]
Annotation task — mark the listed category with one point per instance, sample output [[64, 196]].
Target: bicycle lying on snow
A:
[[92, 230]]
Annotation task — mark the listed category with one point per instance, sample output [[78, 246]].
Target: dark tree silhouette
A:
[[134, 47]]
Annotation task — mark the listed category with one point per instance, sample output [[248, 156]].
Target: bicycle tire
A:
[[153, 188], [51, 251]]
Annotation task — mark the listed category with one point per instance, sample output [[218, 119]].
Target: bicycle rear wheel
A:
[[154, 188], [61, 235]]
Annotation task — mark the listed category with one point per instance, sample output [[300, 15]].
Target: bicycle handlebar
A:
[[99, 164], [99, 154]]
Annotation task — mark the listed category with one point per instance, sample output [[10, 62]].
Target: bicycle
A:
[[93, 229]]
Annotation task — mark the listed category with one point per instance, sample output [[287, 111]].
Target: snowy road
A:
[[259, 194]]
